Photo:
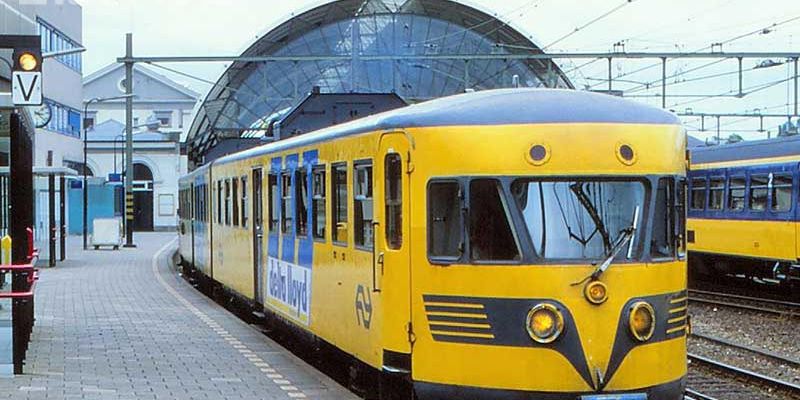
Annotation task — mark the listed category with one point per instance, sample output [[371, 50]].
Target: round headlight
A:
[[28, 62], [642, 321], [545, 323], [595, 292]]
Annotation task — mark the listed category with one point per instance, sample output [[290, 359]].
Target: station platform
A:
[[123, 325]]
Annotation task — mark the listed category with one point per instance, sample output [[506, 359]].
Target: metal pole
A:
[[129, 141], [85, 187], [63, 216], [609, 75], [51, 210], [740, 77], [795, 86], [718, 136], [663, 82]]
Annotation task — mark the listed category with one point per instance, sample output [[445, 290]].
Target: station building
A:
[[416, 49], [162, 110]]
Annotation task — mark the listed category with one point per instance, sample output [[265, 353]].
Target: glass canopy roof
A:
[[419, 49]]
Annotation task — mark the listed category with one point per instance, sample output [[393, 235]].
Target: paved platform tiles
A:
[[122, 325]]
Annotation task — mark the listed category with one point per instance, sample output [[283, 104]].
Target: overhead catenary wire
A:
[[587, 24]]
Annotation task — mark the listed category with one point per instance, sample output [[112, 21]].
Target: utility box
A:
[[107, 232]]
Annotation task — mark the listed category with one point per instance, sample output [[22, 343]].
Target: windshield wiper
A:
[[626, 237]]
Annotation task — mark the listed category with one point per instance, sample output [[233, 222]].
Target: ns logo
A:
[[363, 306]]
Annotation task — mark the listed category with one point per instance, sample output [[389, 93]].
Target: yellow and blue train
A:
[[743, 210], [503, 244]]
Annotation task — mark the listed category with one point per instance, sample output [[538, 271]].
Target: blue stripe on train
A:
[[306, 246]]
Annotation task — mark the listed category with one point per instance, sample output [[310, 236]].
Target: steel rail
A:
[[691, 394], [789, 309], [761, 352], [746, 374]]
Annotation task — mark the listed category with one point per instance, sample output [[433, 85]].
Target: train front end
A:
[[548, 261]]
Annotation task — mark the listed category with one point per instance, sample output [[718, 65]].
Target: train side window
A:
[[301, 201], [445, 232], [736, 193], [274, 203], [228, 202], [362, 203], [758, 192], [286, 203], [781, 192], [235, 200], [698, 194], [318, 203], [219, 202], [339, 203], [716, 193], [662, 242], [243, 206], [394, 201], [491, 236]]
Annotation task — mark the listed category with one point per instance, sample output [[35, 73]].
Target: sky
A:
[[214, 27]]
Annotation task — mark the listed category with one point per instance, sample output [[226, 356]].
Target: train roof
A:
[[748, 150], [486, 108]]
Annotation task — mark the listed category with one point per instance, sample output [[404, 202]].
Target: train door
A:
[[391, 262], [258, 233]]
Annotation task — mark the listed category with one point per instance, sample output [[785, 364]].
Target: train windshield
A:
[[581, 219]]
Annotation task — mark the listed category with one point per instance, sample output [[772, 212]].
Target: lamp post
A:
[[85, 160]]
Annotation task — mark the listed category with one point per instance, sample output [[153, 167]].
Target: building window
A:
[[339, 203], [301, 201], [65, 120], [318, 203], [394, 201], [274, 203], [716, 193], [736, 192], [164, 118], [362, 204], [55, 40], [445, 238], [698, 193], [758, 192], [781, 192]]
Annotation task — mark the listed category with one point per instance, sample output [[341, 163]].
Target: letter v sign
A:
[[26, 88]]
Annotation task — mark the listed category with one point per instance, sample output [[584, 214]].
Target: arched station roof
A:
[[419, 49]]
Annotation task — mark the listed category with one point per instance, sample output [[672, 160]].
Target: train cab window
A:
[[445, 233], [227, 202], [274, 203], [301, 201], [286, 203], [491, 237], [736, 193], [394, 201], [362, 204], [698, 193], [243, 206], [662, 242], [716, 193], [758, 192], [781, 192], [318, 203], [235, 200], [339, 203]]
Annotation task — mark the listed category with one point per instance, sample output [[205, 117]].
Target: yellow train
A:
[[743, 211], [504, 244]]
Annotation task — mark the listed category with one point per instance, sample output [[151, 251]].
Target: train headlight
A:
[[28, 62], [595, 292], [642, 321], [544, 323]]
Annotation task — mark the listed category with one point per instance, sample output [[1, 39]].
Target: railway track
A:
[[748, 349], [711, 379], [776, 307]]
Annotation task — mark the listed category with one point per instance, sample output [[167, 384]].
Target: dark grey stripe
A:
[[465, 329], [455, 309], [466, 320]]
